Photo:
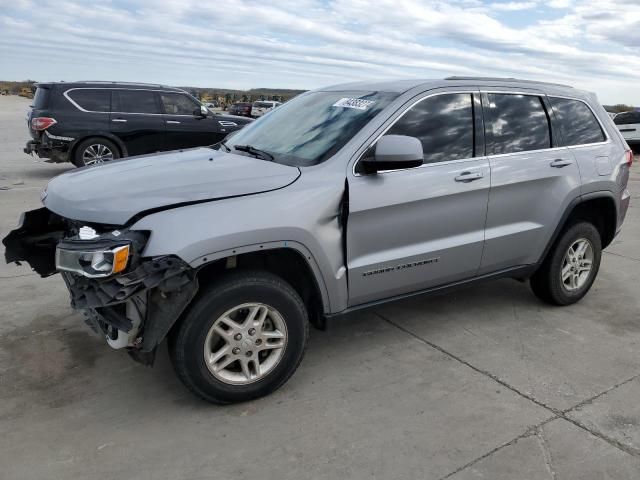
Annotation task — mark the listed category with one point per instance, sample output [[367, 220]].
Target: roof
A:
[[401, 86], [103, 84]]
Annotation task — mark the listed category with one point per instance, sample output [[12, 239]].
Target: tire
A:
[[195, 337], [92, 148], [548, 284]]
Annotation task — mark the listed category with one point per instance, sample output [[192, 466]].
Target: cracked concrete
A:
[[484, 383]]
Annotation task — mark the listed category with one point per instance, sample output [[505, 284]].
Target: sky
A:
[[306, 44]]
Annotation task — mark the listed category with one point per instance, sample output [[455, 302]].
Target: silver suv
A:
[[342, 198]]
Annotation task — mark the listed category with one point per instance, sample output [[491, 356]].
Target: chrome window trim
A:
[[75, 104], [424, 165]]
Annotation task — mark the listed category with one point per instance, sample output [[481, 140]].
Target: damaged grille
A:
[[166, 273]]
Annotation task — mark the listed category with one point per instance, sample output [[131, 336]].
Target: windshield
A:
[[311, 128]]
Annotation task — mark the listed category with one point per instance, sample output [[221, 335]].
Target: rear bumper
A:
[[53, 149]]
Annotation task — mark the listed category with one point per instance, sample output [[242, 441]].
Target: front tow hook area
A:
[[35, 240]]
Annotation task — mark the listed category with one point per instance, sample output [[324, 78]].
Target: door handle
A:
[[172, 122], [559, 163], [121, 120], [467, 177]]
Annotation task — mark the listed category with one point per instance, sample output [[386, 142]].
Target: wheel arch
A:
[[106, 135], [293, 262], [599, 208]]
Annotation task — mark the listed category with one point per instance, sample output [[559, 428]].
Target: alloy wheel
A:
[[577, 265], [96, 154], [245, 343]]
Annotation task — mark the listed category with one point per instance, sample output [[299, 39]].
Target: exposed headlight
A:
[[93, 263]]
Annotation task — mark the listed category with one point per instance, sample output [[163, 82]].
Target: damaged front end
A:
[[133, 300]]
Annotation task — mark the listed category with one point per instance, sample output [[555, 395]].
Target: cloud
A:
[[513, 6], [310, 43]]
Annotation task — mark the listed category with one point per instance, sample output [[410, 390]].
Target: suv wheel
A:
[[242, 339], [571, 266], [94, 151]]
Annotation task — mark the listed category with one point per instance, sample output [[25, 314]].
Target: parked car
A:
[[341, 199], [88, 123], [260, 108], [629, 125], [242, 109]]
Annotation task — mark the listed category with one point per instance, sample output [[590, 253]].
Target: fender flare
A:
[[569, 210], [308, 257]]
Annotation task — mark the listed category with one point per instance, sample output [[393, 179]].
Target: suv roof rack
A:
[[107, 82], [507, 79]]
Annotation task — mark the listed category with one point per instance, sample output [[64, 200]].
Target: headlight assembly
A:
[[97, 256], [93, 263]]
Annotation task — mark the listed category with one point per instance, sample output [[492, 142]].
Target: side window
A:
[[135, 101], [516, 123], [577, 122], [444, 125], [178, 104], [92, 99], [627, 118]]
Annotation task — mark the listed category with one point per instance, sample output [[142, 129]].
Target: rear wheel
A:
[[94, 151], [242, 339], [571, 266]]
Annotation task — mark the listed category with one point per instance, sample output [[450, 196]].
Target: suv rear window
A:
[[577, 123], [262, 105], [135, 101], [516, 123], [41, 98], [627, 118], [91, 99]]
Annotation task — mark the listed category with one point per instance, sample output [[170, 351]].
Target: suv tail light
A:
[[629, 156], [42, 123]]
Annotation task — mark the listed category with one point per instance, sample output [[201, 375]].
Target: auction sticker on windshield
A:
[[356, 103]]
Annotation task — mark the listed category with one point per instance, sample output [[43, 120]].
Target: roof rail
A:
[[507, 79], [107, 82]]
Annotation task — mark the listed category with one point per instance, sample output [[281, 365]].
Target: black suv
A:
[[92, 122]]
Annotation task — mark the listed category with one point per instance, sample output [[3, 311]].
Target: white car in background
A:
[[629, 125], [263, 106]]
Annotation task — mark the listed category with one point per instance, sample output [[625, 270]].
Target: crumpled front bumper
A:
[[134, 309]]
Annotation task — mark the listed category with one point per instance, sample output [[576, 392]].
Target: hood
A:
[[114, 192]]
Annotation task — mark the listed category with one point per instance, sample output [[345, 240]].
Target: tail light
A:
[[629, 156], [42, 123]]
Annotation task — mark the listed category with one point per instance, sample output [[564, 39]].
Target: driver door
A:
[[183, 128], [422, 227]]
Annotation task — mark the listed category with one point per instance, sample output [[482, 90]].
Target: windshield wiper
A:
[[255, 152]]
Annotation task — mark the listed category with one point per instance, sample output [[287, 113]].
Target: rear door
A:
[[136, 119], [629, 125], [183, 128], [417, 228], [533, 179]]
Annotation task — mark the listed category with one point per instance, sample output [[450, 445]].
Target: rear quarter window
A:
[[578, 125], [91, 99]]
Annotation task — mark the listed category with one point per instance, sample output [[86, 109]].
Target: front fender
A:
[[305, 220]]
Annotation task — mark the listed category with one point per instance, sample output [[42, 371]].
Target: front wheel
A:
[[571, 266], [242, 339]]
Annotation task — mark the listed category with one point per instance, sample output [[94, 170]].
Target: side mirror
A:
[[394, 152], [201, 112]]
